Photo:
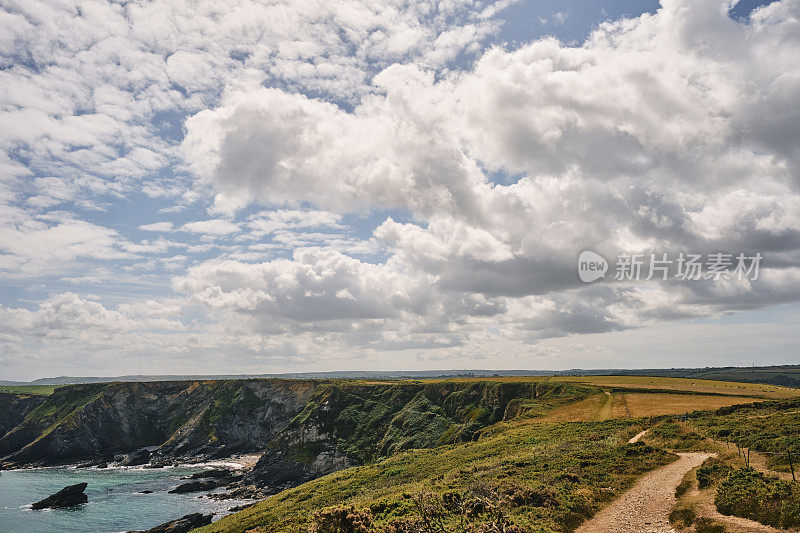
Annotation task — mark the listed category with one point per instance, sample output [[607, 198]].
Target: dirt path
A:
[[605, 410], [638, 436], [645, 507]]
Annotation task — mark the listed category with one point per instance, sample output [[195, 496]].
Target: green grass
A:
[[540, 476], [754, 495], [769, 427], [45, 390]]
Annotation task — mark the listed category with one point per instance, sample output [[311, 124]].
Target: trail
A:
[[605, 410], [646, 506], [638, 436]]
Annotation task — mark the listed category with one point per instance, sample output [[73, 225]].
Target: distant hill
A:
[[785, 375]]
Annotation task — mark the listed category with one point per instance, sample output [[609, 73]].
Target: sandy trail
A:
[[646, 506], [638, 436]]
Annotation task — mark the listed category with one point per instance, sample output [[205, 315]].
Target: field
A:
[[29, 389], [614, 405]]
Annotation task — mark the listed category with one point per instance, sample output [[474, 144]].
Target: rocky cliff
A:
[[349, 424], [304, 428], [182, 419], [15, 407]]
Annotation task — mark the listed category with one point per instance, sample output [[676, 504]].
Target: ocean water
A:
[[115, 503]]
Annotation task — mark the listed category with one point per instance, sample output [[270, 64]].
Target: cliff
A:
[[344, 425], [15, 407], [304, 428], [182, 419]]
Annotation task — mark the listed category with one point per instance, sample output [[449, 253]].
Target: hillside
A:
[[542, 453]]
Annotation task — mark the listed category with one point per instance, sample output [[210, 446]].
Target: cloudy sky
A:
[[252, 186]]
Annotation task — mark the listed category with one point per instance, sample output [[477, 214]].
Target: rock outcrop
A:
[[15, 407], [67, 497], [302, 428], [181, 525], [185, 420], [139, 457]]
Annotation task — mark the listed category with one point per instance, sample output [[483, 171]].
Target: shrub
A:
[[682, 516], [684, 486], [751, 494], [706, 525], [343, 519], [711, 471]]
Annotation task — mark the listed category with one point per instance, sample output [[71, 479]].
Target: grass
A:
[[617, 405], [654, 404], [700, 386], [571, 470], [44, 390], [772, 428], [754, 495]]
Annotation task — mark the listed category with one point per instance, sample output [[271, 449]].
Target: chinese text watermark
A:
[[683, 266]]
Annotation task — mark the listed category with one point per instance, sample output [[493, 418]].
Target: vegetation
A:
[[674, 435], [754, 495], [29, 389], [540, 476], [712, 471], [772, 428]]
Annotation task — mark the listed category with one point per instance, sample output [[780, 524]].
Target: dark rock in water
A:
[[195, 486], [102, 465], [139, 457], [66, 497], [214, 473], [145, 492], [181, 525]]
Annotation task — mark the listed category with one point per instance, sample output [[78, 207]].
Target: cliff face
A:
[[344, 425], [193, 419], [15, 407], [305, 429]]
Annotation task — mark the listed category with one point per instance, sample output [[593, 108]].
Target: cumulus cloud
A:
[[657, 134], [356, 184], [211, 227]]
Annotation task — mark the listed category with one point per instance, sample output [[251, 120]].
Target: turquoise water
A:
[[114, 503]]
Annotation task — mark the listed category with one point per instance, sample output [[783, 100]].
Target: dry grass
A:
[[758, 390], [589, 409], [652, 404], [703, 386], [601, 406]]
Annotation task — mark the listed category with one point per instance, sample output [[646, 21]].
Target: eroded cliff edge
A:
[[301, 428]]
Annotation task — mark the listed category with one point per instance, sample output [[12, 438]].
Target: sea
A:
[[116, 502]]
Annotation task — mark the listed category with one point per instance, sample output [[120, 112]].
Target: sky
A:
[[262, 187]]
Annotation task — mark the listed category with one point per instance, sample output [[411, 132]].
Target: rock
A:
[[66, 497], [237, 508], [181, 525], [139, 457], [102, 465], [145, 492], [214, 473], [195, 486]]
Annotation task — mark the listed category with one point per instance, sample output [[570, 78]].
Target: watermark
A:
[[682, 266], [591, 266]]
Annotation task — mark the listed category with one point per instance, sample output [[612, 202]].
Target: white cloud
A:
[[212, 228], [649, 136], [157, 226]]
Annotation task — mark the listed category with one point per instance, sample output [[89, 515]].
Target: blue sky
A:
[[309, 186]]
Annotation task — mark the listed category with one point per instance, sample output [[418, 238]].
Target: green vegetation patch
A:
[[769, 427], [534, 476], [44, 390], [754, 495]]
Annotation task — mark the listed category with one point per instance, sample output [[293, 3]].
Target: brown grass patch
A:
[[652, 404]]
